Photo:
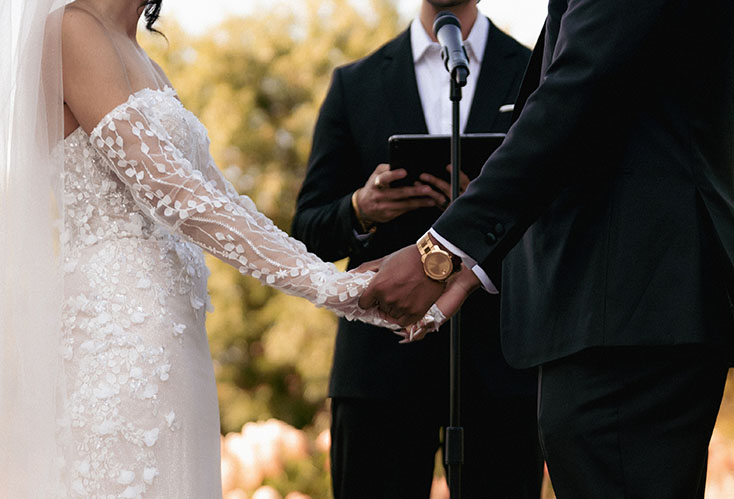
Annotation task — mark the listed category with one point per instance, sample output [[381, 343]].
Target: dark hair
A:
[[151, 11]]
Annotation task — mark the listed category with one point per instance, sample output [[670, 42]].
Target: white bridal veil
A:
[[31, 163]]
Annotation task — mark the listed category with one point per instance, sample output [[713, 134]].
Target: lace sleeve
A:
[[165, 185], [210, 214]]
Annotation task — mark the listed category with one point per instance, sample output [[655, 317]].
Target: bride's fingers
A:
[[405, 335], [410, 335], [430, 323], [418, 334], [414, 333]]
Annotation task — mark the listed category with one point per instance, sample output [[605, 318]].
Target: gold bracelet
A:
[[367, 226]]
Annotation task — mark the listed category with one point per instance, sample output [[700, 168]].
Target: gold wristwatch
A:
[[437, 263]]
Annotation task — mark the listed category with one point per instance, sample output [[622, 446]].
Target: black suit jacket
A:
[[613, 192], [369, 101]]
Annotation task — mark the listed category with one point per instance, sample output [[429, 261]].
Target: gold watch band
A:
[[425, 245]]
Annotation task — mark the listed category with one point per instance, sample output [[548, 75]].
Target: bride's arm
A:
[[164, 183], [167, 187]]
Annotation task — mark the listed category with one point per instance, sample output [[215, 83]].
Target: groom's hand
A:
[[401, 290], [372, 265], [459, 287]]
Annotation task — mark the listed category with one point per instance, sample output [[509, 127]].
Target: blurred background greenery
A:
[[257, 84]]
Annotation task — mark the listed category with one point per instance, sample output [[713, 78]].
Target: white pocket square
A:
[[507, 108]]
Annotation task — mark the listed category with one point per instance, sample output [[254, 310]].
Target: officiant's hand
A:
[[443, 186], [401, 290], [380, 203]]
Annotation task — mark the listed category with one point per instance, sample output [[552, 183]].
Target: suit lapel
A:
[[400, 88], [493, 87], [531, 80]]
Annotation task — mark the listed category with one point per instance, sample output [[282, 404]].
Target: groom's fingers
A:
[[401, 289], [406, 318]]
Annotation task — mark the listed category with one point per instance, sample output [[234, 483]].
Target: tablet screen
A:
[[431, 153]]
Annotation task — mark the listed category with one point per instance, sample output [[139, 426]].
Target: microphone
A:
[[447, 29]]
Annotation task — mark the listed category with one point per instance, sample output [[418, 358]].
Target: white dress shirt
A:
[[434, 81]]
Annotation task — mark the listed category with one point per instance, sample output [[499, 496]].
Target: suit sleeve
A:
[[598, 42], [324, 218]]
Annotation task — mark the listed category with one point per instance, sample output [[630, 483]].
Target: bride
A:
[[125, 406]]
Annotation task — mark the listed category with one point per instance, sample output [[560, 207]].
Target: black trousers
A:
[[385, 449], [630, 422]]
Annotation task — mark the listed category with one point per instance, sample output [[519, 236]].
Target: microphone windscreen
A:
[[444, 18]]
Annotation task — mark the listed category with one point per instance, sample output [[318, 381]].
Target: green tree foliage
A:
[[257, 84]]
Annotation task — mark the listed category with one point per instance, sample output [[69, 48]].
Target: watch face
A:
[[437, 265]]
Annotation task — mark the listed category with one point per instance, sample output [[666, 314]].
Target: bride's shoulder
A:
[[85, 39], [78, 21], [95, 78]]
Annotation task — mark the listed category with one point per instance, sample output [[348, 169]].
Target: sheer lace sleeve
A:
[[209, 213]]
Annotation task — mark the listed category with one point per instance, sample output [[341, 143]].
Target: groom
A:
[[606, 220]]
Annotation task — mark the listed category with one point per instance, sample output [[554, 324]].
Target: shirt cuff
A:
[[468, 262]]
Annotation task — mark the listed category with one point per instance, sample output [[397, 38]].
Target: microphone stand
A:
[[454, 437]]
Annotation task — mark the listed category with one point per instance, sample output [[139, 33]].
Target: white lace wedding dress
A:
[[142, 197]]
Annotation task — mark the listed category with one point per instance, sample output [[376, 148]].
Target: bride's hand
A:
[[457, 291]]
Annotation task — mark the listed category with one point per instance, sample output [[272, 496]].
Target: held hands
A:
[[403, 292], [458, 289]]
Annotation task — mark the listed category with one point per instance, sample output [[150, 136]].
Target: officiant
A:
[[389, 401]]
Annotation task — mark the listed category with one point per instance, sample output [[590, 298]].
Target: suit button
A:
[[490, 237], [499, 229]]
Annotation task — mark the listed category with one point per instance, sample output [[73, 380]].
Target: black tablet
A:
[[431, 153]]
